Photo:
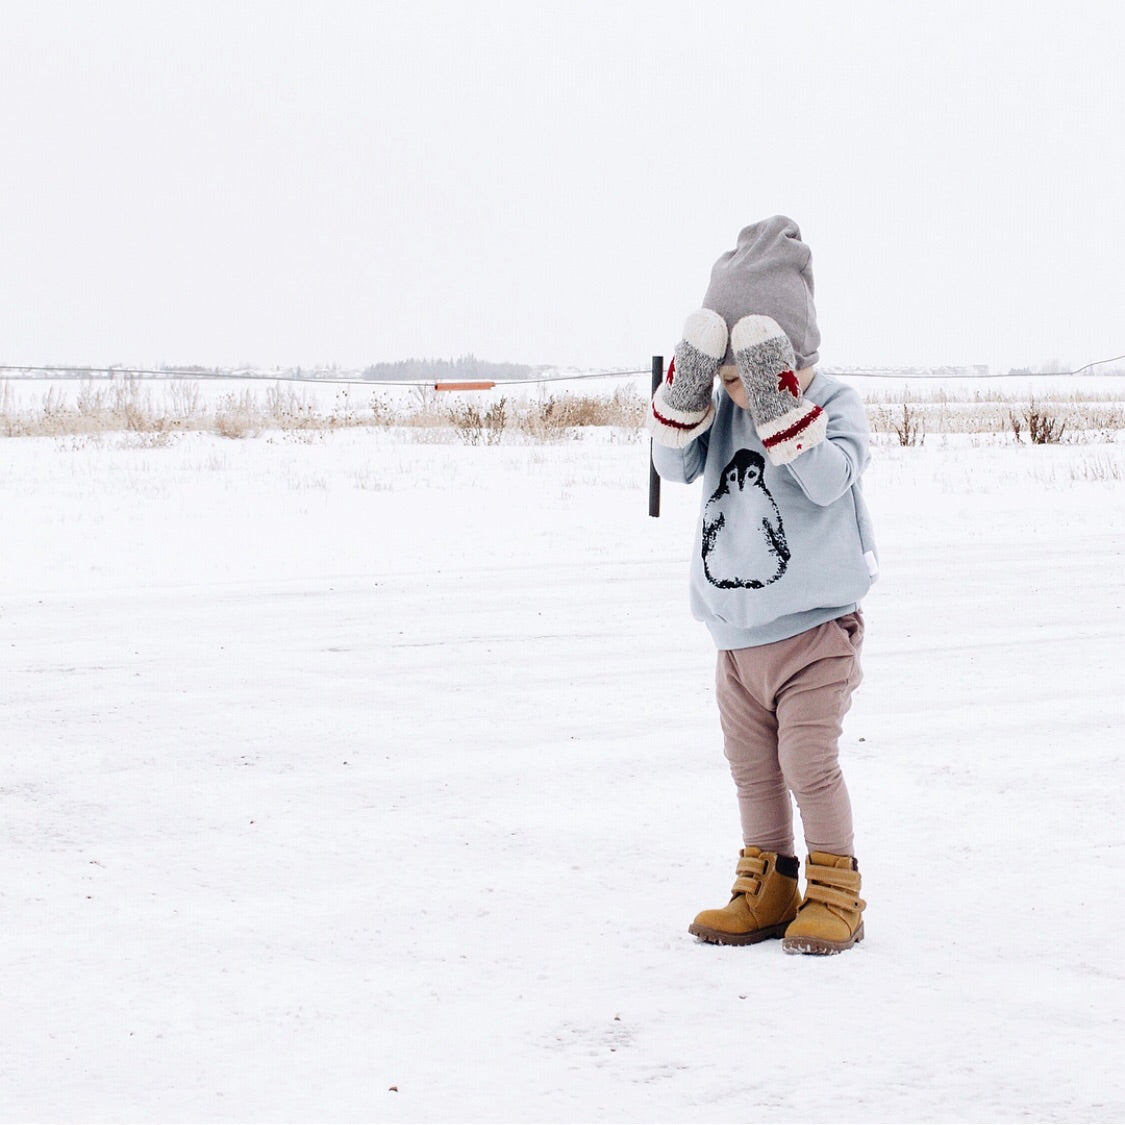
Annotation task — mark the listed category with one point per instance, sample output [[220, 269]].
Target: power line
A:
[[219, 375], [975, 375], [204, 375], [1096, 363]]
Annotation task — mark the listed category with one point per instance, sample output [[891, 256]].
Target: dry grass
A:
[[548, 419], [153, 413], [1048, 419], [130, 406]]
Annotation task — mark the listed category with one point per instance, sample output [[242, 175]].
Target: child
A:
[[784, 556]]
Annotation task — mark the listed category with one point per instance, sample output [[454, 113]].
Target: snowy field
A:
[[366, 778]]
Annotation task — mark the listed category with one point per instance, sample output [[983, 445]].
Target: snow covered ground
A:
[[370, 779]]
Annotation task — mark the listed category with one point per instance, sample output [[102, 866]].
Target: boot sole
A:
[[720, 937], [821, 947]]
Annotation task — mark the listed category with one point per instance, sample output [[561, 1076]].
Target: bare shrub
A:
[[1042, 428], [236, 416], [909, 428], [495, 421], [1045, 429], [467, 423], [53, 412], [381, 412], [184, 400], [476, 428], [289, 410], [627, 408], [425, 410], [907, 424], [90, 402], [545, 421], [343, 412], [128, 405]]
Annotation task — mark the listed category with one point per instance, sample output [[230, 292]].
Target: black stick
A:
[[653, 475]]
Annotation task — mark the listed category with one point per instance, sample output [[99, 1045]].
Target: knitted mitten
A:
[[787, 423], [682, 407]]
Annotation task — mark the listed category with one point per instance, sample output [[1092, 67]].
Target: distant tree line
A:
[[435, 370]]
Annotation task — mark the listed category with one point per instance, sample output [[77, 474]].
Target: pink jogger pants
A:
[[782, 707]]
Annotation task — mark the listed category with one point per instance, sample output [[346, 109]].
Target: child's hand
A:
[[786, 422], [682, 407]]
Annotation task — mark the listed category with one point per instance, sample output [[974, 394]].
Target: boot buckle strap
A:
[[746, 886], [750, 871], [751, 865], [833, 896]]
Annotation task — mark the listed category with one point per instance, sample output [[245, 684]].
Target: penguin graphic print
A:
[[743, 537]]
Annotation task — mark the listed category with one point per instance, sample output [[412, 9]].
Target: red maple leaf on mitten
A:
[[787, 381]]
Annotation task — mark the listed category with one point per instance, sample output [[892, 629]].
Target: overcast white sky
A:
[[284, 183]]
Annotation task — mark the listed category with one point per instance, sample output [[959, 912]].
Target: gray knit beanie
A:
[[769, 272]]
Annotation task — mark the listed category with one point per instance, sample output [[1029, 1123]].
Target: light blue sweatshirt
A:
[[779, 548]]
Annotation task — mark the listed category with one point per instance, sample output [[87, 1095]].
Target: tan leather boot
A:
[[763, 902], [831, 916]]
